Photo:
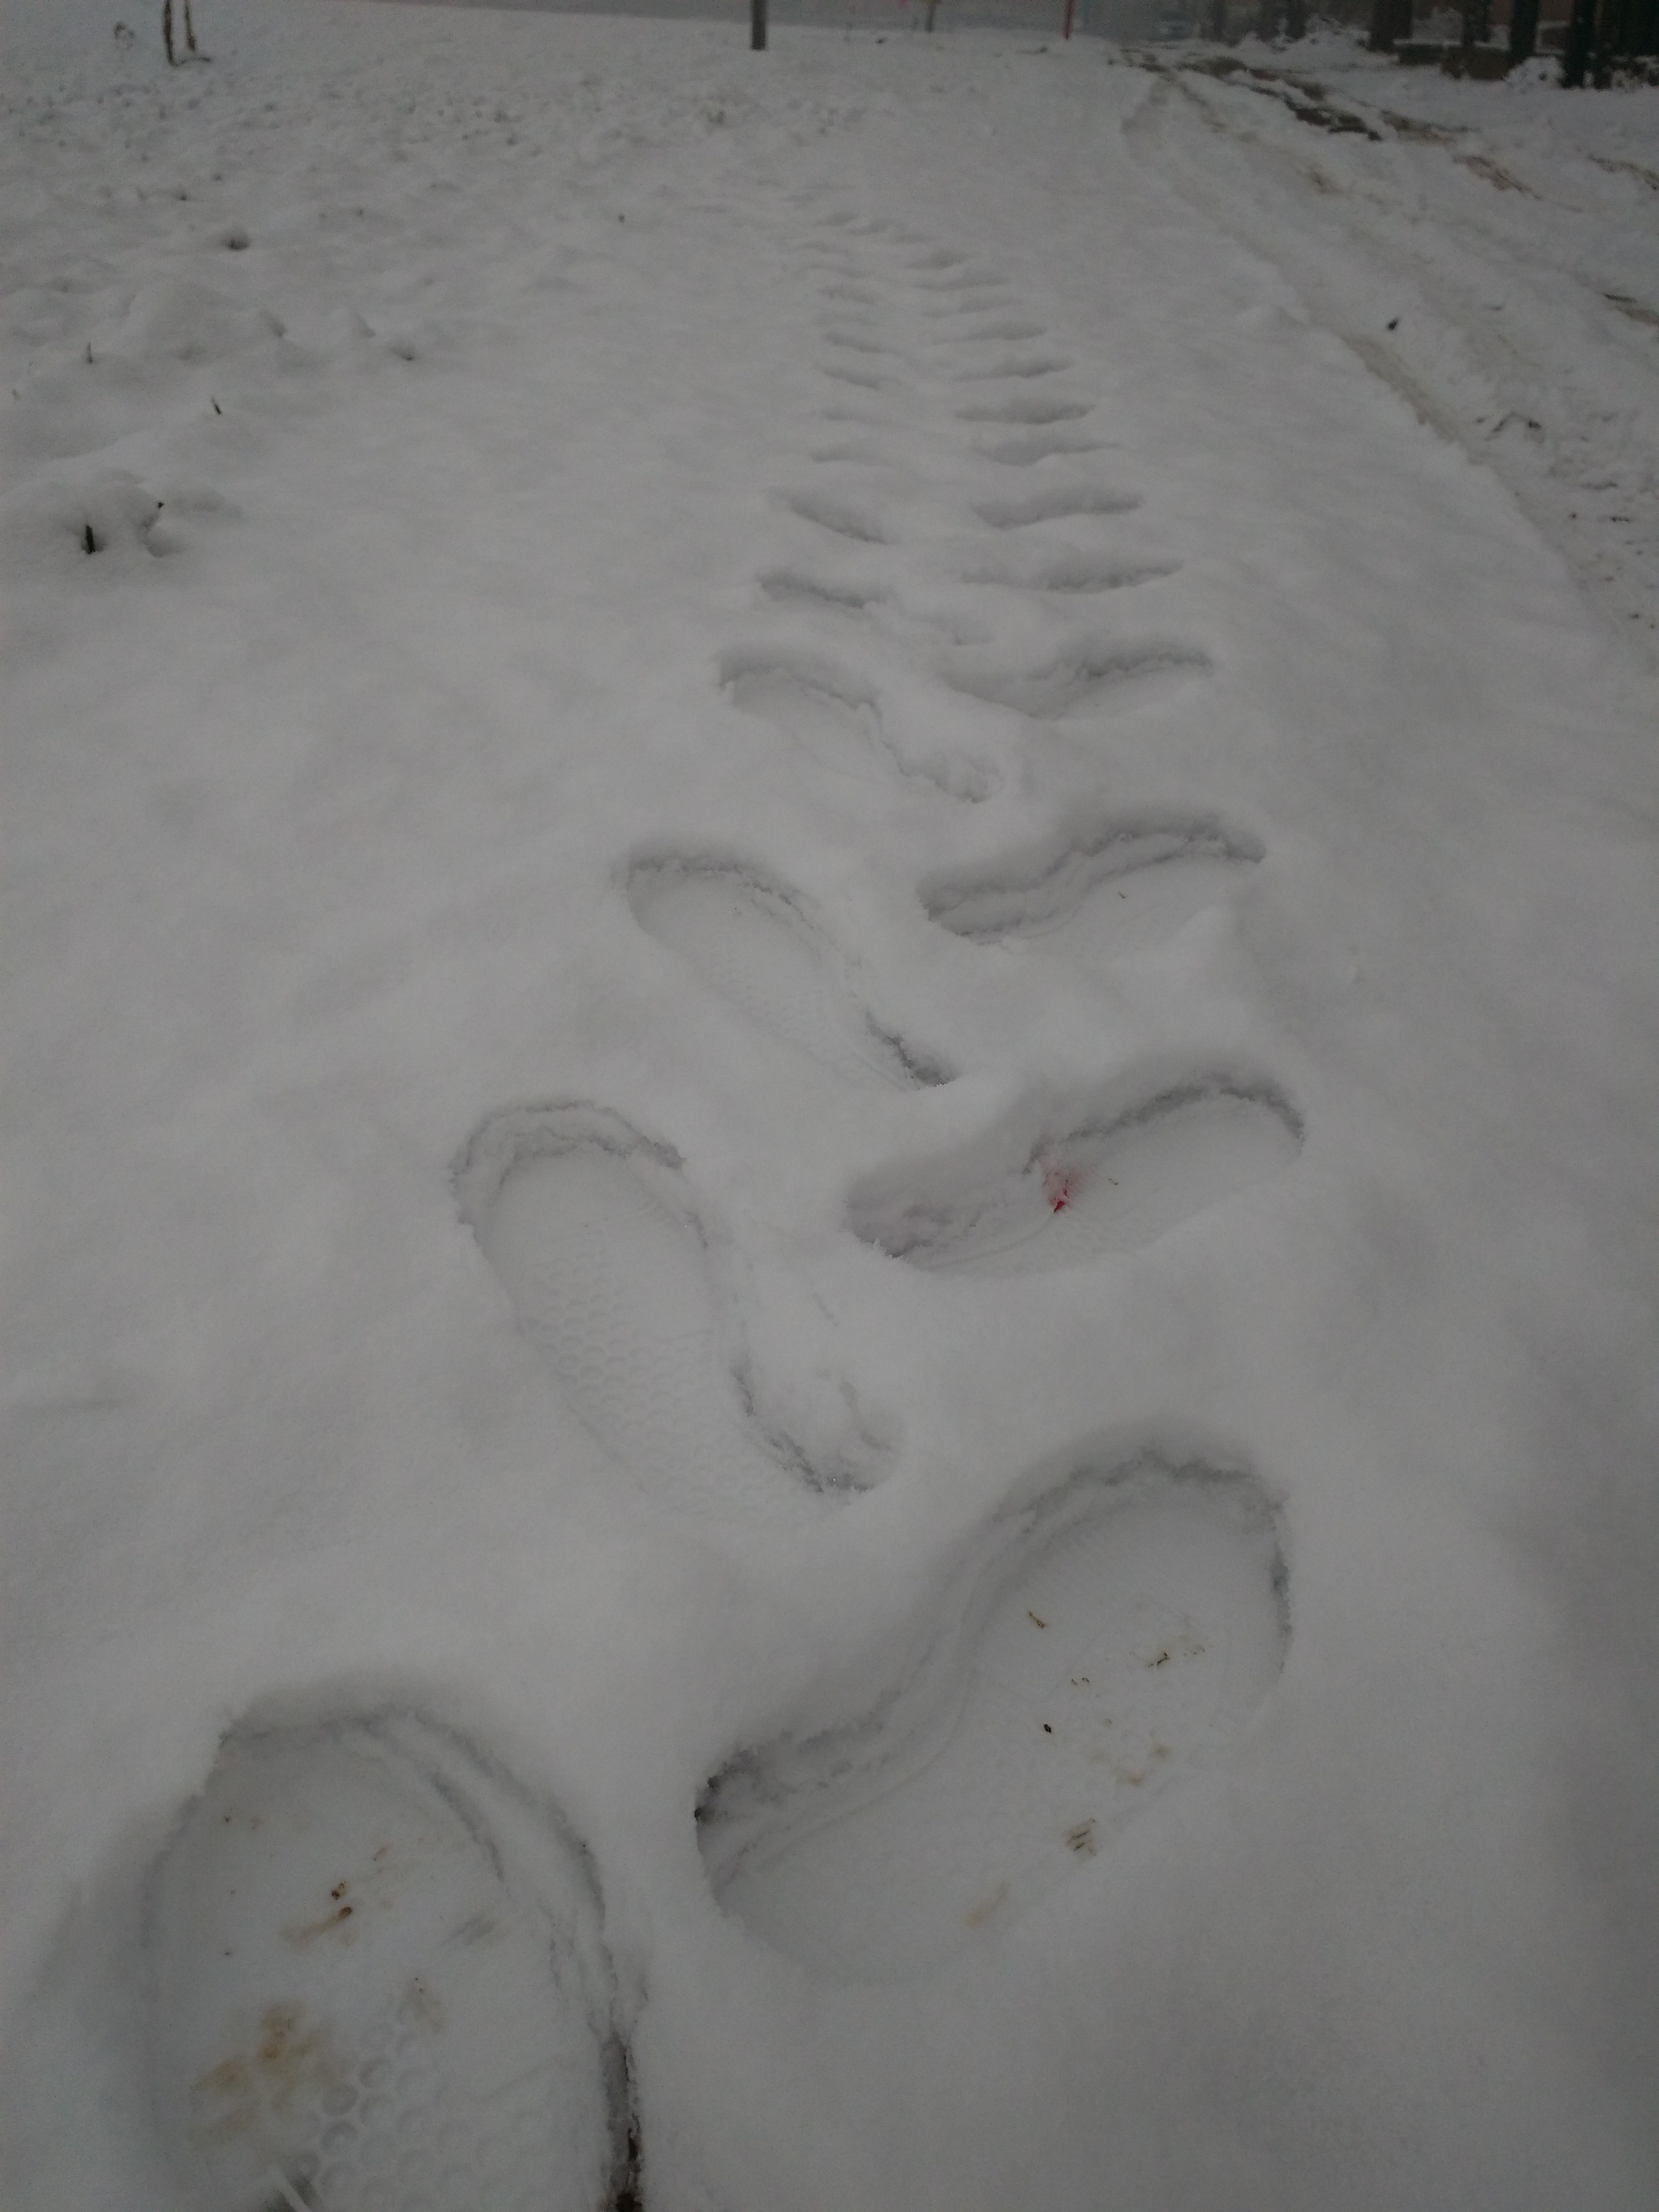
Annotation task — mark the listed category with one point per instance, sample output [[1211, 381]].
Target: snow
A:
[[829, 918], [1490, 250]]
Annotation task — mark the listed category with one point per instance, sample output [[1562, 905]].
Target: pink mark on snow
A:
[[1060, 1186]]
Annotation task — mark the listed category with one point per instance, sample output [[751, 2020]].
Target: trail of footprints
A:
[[377, 1975]]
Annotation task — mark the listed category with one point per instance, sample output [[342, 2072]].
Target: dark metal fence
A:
[[1604, 34]]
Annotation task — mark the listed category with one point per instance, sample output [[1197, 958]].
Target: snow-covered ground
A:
[[1491, 250], [831, 1030]]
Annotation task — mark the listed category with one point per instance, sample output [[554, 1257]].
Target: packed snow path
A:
[[832, 1042]]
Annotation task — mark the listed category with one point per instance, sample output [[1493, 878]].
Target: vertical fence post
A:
[[1581, 37], [758, 26]]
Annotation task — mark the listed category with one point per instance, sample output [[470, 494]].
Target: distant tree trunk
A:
[[1267, 21], [1581, 37], [1216, 21], [1391, 22], [190, 29], [1524, 30], [1296, 20], [758, 26], [167, 32], [932, 11], [1477, 23]]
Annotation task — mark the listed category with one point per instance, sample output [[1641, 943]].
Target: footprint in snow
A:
[[863, 379], [869, 420], [1080, 678], [1029, 447], [842, 518], [1038, 414], [1118, 889], [1109, 1176], [1105, 1643], [979, 302], [853, 340], [589, 1229], [1010, 329], [830, 715], [1043, 568], [1020, 364], [377, 1977], [753, 941], [960, 280], [794, 587], [837, 721], [1056, 503], [1025, 450], [864, 457]]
